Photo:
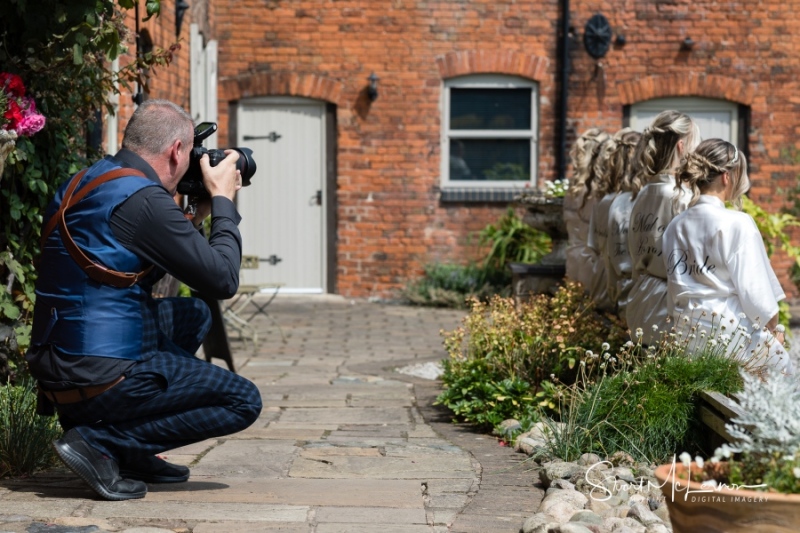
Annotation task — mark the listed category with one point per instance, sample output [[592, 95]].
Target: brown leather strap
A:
[[92, 269], [79, 394]]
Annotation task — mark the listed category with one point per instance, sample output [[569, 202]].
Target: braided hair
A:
[[620, 161], [711, 159]]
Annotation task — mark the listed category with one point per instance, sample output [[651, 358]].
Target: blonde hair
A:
[[711, 159], [595, 183], [658, 149], [620, 161], [582, 152]]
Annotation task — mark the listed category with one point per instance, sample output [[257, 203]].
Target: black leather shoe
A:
[[152, 469], [99, 471]]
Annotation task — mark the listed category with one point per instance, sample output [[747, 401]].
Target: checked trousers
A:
[[170, 400]]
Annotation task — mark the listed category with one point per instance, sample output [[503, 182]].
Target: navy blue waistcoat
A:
[[76, 314]]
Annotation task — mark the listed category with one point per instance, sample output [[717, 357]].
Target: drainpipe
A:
[[561, 118]]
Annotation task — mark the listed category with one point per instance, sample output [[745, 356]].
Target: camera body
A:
[[192, 182]]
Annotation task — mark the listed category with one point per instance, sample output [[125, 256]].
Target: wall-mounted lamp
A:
[[180, 9], [372, 89], [620, 40], [687, 44]]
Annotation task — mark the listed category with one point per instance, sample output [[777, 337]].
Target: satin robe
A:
[[654, 207], [619, 267], [597, 243], [720, 276], [580, 260]]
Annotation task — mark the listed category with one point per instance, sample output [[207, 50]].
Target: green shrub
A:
[[478, 394], [512, 240], [25, 437], [503, 354], [446, 285], [646, 409]]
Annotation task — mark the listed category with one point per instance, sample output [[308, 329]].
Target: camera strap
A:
[[92, 269]]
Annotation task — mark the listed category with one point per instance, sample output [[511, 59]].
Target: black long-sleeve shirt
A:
[[151, 225]]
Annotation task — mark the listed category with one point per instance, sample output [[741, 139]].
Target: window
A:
[[717, 119], [489, 132]]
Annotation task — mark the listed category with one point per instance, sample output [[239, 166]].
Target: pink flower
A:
[[30, 124]]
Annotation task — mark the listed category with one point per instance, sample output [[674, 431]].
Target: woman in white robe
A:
[[577, 212], [617, 258], [721, 284], [656, 201], [603, 191]]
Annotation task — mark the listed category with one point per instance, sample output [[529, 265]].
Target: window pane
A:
[[490, 109], [490, 159]]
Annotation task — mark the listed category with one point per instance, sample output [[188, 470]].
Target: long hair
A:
[[657, 153], [581, 154], [620, 161]]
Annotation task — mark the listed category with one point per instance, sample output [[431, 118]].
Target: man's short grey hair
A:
[[155, 125]]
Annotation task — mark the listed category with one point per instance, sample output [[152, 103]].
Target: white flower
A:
[[686, 459], [655, 327], [699, 461], [742, 316], [606, 356], [723, 452], [756, 326], [725, 338], [605, 346], [796, 472], [712, 342], [780, 328], [686, 319], [613, 359], [589, 353], [629, 344], [639, 332]]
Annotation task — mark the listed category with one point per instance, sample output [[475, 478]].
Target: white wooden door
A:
[[282, 209], [717, 119]]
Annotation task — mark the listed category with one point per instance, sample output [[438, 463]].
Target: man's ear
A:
[[175, 151]]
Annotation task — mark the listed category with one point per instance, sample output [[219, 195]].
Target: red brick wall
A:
[[389, 150], [169, 82]]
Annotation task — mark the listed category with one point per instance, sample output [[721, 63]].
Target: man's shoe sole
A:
[[84, 469], [138, 476]]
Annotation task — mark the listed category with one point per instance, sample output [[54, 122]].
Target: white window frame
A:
[[688, 105], [489, 81]]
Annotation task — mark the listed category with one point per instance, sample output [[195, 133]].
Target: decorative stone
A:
[[658, 528], [643, 514], [573, 527], [561, 484], [587, 517], [534, 522], [589, 459], [662, 512], [558, 470], [507, 427], [575, 499], [621, 459]]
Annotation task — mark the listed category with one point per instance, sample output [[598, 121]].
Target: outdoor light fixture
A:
[[372, 89], [180, 9], [687, 44]]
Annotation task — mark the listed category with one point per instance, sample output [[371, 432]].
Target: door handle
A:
[[316, 199]]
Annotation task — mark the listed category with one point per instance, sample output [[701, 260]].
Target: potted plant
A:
[[754, 485]]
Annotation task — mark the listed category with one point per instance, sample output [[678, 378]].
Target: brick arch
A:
[[691, 84], [510, 62], [282, 84]]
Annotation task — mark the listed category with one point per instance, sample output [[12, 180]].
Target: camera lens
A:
[[246, 165]]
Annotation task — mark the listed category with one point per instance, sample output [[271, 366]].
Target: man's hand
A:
[[223, 179]]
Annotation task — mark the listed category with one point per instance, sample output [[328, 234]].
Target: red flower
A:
[[12, 83], [13, 114]]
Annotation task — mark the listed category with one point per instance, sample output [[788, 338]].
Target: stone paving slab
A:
[[201, 511], [305, 492]]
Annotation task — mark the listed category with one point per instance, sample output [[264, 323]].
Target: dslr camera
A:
[[192, 182]]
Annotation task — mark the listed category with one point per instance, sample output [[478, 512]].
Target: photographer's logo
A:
[[606, 484]]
